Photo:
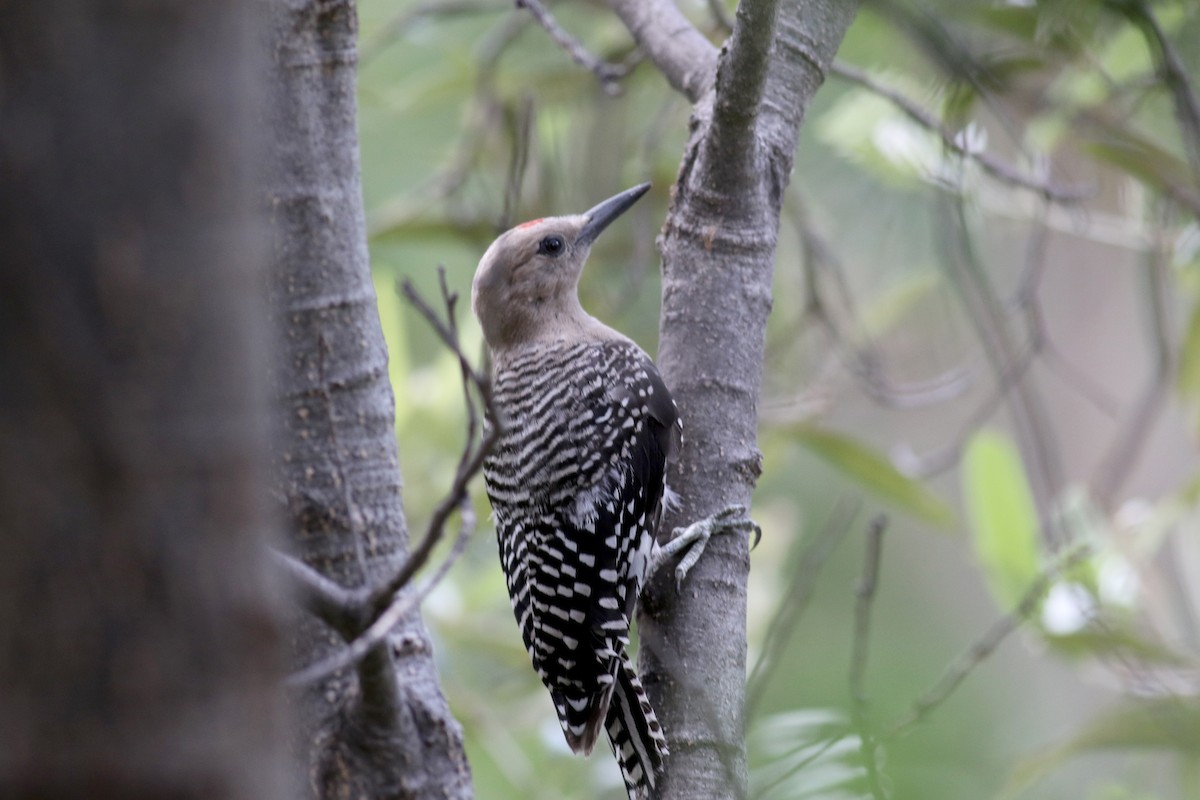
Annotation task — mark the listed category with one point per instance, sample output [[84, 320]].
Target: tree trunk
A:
[[718, 248], [384, 731], [138, 649]]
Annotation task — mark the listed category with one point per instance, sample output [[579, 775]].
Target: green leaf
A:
[[1125, 55], [1170, 724], [1003, 519], [875, 473]]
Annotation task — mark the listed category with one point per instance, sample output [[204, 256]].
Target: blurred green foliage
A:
[[877, 385], [1003, 517]]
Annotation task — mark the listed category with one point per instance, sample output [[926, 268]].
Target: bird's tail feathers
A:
[[582, 717], [633, 731]]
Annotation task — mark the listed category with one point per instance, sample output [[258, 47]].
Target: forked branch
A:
[[364, 617]]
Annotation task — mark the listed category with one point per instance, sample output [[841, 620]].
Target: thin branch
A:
[[677, 48], [382, 607], [644, 257], [1122, 138], [609, 75], [401, 606], [792, 606], [335, 605], [470, 463], [522, 132], [1026, 299], [865, 364], [930, 33], [1039, 346], [992, 165], [859, 714], [1009, 375], [946, 456], [1172, 70], [1077, 379], [978, 652], [862, 361], [1130, 440], [485, 110], [986, 314]]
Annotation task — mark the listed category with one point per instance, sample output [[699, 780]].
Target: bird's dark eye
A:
[[550, 246]]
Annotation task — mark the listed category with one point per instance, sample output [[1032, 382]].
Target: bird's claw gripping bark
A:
[[694, 538]]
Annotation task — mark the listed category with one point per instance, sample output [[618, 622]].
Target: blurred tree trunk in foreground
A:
[[383, 729], [138, 646]]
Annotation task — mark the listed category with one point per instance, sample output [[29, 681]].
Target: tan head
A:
[[527, 285]]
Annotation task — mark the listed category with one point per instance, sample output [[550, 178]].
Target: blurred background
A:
[[986, 326]]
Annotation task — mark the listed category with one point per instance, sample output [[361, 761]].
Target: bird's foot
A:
[[694, 538]]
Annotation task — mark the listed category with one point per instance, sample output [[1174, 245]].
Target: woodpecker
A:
[[576, 479]]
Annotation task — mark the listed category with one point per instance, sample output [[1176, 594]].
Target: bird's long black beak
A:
[[599, 217]]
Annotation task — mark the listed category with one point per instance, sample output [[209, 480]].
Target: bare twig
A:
[[994, 166], [1173, 71], [522, 132], [644, 257], [1027, 300], [985, 311], [469, 463], [950, 53], [330, 602], [1121, 137], [609, 75], [978, 652], [677, 48], [1074, 376], [485, 109], [380, 608], [1039, 345], [859, 714], [949, 454], [1130, 440], [401, 606], [792, 606], [863, 361]]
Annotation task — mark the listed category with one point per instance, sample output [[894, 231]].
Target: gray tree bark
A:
[[385, 729], [139, 648], [718, 250]]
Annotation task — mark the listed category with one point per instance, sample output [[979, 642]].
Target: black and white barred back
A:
[[576, 483]]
